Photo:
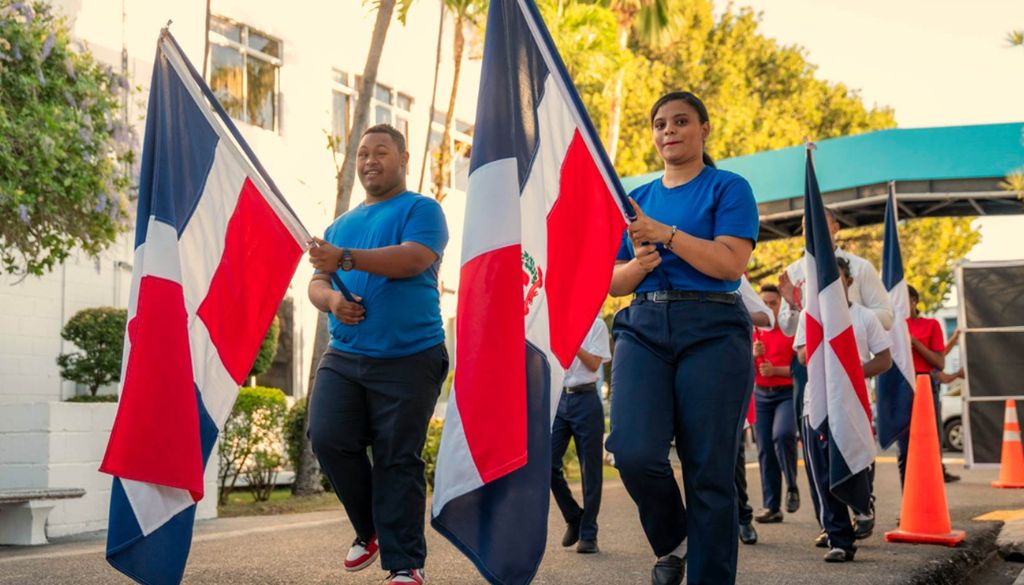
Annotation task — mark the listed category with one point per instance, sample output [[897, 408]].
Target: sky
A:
[[936, 62]]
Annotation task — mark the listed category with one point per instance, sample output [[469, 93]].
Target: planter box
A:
[[60, 445]]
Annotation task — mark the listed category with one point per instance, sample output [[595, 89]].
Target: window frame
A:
[[242, 46]]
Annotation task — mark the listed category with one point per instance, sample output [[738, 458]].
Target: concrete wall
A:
[[60, 445]]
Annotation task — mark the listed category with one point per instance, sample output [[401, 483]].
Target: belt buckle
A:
[[659, 296]]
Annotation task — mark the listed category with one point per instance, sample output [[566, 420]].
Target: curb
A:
[[979, 547]]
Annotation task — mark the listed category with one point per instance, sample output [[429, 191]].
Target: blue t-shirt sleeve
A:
[[625, 250], [736, 212], [427, 226]]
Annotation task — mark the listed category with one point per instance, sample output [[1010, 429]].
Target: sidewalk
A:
[[307, 548]]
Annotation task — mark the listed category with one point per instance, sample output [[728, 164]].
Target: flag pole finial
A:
[[810, 144]]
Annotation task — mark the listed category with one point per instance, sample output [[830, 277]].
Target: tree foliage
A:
[[66, 151], [98, 333]]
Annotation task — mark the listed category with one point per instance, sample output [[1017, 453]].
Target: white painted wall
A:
[[61, 445]]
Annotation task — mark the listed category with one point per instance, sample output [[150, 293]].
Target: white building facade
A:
[[288, 74]]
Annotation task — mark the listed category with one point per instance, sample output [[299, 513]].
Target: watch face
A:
[[346, 261]]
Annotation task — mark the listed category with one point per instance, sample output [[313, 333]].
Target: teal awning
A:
[[963, 161]]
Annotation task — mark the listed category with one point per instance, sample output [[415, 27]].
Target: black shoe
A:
[[587, 547], [862, 528], [769, 517], [792, 501], [839, 555], [669, 570], [822, 540], [948, 477], [748, 535], [572, 534]]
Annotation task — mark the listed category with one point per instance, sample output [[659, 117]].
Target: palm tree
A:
[[1015, 38], [307, 477], [649, 22], [433, 98], [466, 13]]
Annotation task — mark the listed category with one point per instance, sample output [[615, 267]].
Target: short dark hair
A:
[[397, 137], [770, 288], [695, 102], [844, 267], [912, 292], [831, 214]]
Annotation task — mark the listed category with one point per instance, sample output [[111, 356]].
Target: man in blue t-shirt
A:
[[377, 383]]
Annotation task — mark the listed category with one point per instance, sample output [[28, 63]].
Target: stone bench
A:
[[23, 513]]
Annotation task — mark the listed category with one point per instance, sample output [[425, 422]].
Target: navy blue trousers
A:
[[833, 514], [581, 418], [743, 509], [683, 371], [360, 402], [775, 429]]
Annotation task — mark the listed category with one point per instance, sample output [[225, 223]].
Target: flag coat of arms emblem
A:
[[895, 385], [838, 395], [216, 246], [544, 220]]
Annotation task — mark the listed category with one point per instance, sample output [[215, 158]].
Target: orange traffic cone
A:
[[924, 517], [1011, 469]]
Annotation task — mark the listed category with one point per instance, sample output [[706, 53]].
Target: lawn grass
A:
[[241, 503]]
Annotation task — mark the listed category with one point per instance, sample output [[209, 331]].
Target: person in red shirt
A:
[[929, 347], [775, 427]]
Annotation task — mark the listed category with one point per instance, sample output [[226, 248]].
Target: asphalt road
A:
[[308, 548]]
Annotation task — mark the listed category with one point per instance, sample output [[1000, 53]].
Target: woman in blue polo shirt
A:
[[682, 368]]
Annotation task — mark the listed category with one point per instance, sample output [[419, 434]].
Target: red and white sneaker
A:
[[362, 554], [407, 577]]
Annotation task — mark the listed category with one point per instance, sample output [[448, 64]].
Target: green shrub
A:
[[431, 447], [294, 430], [251, 443], [91, 398], [98, 333], [268, 349]]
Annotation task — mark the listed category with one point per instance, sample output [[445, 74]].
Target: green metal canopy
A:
[[949, 171]]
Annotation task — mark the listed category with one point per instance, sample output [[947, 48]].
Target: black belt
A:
[[784, 388], [669, 296], [591, 387]]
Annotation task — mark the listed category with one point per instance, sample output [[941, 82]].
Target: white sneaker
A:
[[407, 577], [362, 554]]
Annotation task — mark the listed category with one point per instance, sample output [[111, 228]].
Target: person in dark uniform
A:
[[682, 368], [377, 383], [763, 318], [580, 417]]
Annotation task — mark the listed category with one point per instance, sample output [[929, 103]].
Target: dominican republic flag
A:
[[544, 219], [835, 377], [895, 391], [215, 248]]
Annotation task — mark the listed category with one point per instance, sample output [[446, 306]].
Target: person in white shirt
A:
[[867, 288], [873, 345], [580, 417]]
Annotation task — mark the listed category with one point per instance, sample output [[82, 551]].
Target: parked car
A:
[[951, 408]]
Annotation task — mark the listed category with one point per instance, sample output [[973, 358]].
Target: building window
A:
[[245, 72], [460, 147], [388, 106]]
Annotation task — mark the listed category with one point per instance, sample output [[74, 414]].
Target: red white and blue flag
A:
[[215, 248], [544, 219], [838, 394], [895, 392]]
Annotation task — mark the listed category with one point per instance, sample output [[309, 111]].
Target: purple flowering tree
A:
[[65, 151]]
